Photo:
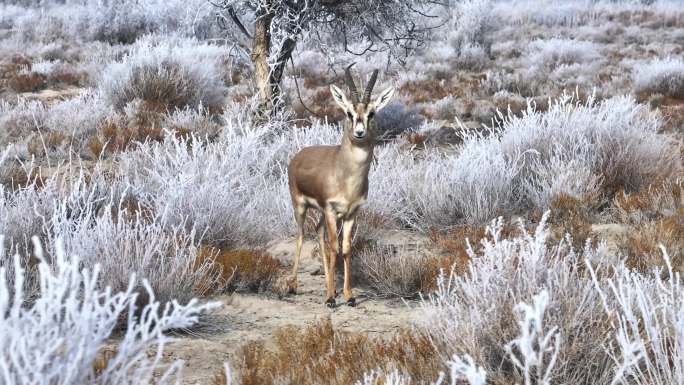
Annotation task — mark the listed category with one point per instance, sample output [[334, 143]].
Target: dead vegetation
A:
[[322, 354], [655, 216], [243, 270]]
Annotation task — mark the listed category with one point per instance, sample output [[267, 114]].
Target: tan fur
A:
[[334, 181]]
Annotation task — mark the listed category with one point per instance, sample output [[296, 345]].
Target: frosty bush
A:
[[583, 150], [475, 314], [395, 119], [116, 21], [664, 76], [394, 271], [532, 313], [231, 191], [174, 74], [121, 240], [552, 53], [472, 20], [63, 337]]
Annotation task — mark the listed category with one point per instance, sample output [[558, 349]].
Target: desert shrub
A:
[[226, 202], [119, 21], [27, 82], [199, 122], [516, 83], [472, 21], [20, 120], [176, 74], [572, 135], [555, 52], [655, 216], [124, 242], [664, 76], [73, 316], [475, 314], [395, 271], [396, 119], [76, 120], [324, 355], [243, 270]]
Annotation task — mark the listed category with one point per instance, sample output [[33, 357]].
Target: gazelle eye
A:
[[349, 115], [371, 115]]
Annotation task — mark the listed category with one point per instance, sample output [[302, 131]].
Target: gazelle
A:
[[334, 181]]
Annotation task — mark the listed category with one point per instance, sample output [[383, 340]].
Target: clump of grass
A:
[[27, 82], [570, 215], [656, 217], [395, 271], [243, 270], [319, 354]]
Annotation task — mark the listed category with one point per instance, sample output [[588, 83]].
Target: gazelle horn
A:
[[350, 83], [369, 87]]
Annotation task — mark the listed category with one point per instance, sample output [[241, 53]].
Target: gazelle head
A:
[[360, 111]]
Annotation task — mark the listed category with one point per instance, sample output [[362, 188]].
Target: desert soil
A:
[[252, 317]]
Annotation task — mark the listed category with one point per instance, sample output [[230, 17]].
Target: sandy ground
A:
[[252, 317]]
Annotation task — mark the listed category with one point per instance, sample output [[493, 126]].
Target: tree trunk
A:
[[261, 49], [268, 78]]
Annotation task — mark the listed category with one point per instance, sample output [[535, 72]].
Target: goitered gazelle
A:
[[334, 181]]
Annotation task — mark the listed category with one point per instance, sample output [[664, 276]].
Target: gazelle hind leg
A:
[[300, 217], [348, 226], [320, 229]]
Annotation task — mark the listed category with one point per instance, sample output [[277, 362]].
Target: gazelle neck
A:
[[358, 153]]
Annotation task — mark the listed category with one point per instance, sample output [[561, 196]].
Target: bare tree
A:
[[273, 28]]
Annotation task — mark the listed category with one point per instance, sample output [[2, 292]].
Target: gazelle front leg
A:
[[348, 225], [333, 249]]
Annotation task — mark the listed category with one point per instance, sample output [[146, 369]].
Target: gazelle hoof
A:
[[351, 302], [292, 286], [330, 302]]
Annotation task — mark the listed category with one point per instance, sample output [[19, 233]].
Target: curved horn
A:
[[369, 87], [350, 83]]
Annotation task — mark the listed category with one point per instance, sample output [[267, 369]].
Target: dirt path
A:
[[251, 317]]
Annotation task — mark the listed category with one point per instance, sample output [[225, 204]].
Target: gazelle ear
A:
[[382, 99], [340, 99]]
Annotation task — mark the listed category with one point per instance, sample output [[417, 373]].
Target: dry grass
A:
[[656, 217], [570, 215], [243, 270], [27, 82], [454, 245], [421, 91], [319, 354]]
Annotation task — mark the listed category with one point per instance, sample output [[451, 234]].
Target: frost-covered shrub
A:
[[121, 240], [99, 219], [472, 57], [394, 271], [664, 76], [232, 191], [584, 150], [529, 313], [649, 336], [472, 21], [554, 52], [475, 314], [615, 141], [114, 21], [175, 74], [67, 124], [63, 336], [20, 120], [395, 119], [198, 121]]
